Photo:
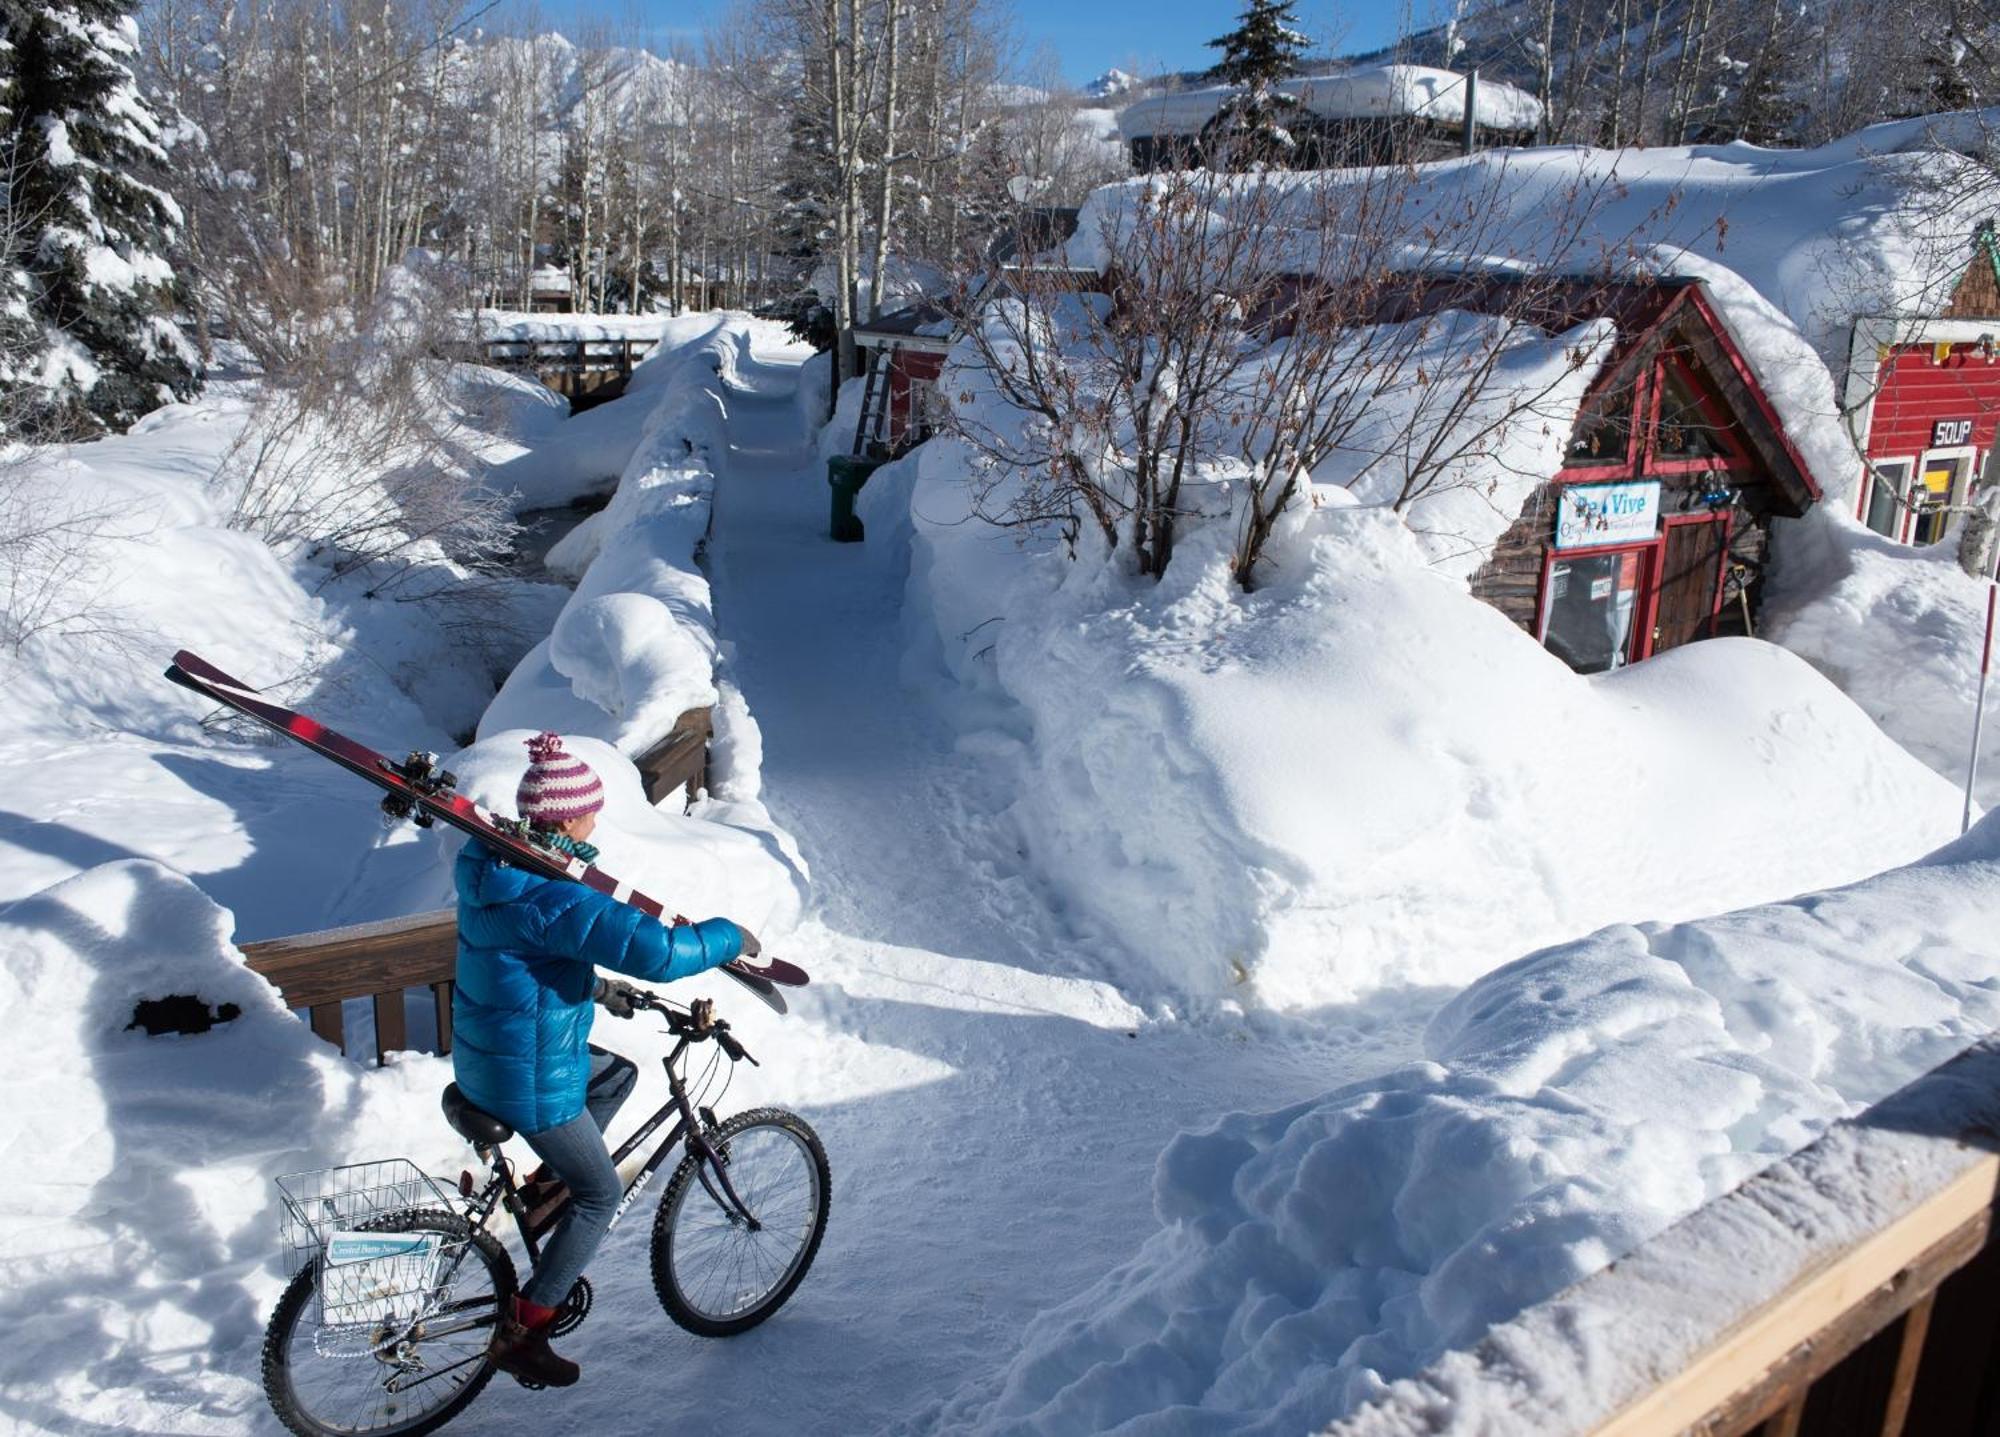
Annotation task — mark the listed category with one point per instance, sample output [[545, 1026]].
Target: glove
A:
[[751, 947], [620, 999]]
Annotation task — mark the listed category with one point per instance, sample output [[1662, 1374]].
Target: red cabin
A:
[[1654, 532], [1923, 402], [905, 355]]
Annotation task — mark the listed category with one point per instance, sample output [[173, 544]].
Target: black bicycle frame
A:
[[500, 1189], [687, 1126]]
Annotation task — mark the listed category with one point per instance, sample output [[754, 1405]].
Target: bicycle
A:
[[396, 1287]]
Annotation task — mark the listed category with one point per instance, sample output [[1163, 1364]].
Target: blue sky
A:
[[1091, 36]]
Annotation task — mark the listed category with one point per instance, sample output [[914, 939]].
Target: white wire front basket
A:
[[376, 1270]]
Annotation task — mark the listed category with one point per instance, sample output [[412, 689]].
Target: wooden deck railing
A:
[[321, 971]]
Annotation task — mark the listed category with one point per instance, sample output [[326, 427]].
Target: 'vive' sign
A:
[[1588, 515]]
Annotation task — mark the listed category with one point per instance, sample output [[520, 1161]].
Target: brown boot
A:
[[520, 1346]]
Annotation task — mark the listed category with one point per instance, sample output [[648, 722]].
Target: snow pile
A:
[[1570, 1363], [1899, 629], [594, 448], [105, 760], [143, 1222], [1359, 776], [1567, 1107], [1382, 92], [634, 647], [1498, 396]]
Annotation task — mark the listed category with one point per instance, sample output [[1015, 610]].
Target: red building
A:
[[1923, 403], [1654, 531], [905, 352]]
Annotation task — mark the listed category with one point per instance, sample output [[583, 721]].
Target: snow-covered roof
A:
[[1388, 91], [550, 280]]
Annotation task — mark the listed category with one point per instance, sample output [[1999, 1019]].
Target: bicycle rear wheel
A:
[[713, 1274], [389, 1382]]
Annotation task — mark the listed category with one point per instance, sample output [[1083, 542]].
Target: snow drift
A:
[[1568, 1106], [1361, 777], [635, 645], [1899, 629]]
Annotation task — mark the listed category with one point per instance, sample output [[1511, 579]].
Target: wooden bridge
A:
[[587, 371]]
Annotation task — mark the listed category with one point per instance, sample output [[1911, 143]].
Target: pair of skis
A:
[[418, 789]]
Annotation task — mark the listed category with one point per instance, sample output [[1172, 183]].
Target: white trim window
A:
[[1888, 494]]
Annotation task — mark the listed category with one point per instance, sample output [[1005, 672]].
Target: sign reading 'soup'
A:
[[1589, 515]]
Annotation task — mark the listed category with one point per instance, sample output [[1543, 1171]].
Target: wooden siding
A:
[[1978, 292], [1918, 391], [1511, 578]]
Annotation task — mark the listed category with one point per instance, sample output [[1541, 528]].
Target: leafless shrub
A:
[[1253, 326], [358, 450]]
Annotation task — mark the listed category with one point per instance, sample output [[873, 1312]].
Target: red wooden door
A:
[[1690, 575]]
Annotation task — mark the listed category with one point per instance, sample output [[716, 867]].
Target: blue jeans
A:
[[575, 1151]]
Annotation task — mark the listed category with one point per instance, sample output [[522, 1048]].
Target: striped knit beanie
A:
[[557, 785]]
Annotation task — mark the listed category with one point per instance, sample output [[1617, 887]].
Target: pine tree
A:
[[87, 282], [1255, 126]]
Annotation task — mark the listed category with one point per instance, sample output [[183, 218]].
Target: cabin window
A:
[[1686, 429], [1602, 437], [1888, 483], [1590, 607]]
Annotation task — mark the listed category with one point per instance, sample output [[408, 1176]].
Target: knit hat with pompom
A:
[[557, 785]]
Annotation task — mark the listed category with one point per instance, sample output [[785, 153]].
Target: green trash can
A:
[[846, 473]]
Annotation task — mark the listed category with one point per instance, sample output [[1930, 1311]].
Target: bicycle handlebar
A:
[[697, 1024]]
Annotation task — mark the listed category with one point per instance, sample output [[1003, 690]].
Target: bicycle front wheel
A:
[[401, 1375], [715, 1275]]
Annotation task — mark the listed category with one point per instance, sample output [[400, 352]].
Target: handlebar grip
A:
[[735, 1049]]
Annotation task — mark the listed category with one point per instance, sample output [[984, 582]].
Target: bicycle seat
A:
[[475, 1125]]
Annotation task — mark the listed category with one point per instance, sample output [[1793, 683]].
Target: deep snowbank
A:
[[635, 645], [1569, 1105], [142, 1223], [596, 447], [1361, 777], [1570, 1363], [1900, 630]]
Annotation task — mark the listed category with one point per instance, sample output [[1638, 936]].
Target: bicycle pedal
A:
[[532, 1385]]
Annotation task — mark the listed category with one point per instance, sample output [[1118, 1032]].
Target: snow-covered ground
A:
[[992, 1115], [1041, 1219]]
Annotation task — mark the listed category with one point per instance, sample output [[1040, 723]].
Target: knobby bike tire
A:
[[686, 1187], [294, 1306]]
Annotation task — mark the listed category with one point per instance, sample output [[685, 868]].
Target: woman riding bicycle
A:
[[521, 1012]]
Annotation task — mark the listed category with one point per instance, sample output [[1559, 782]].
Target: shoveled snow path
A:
[[992, 1121]]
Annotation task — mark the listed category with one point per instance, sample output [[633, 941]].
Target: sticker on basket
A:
[[346, 1247]]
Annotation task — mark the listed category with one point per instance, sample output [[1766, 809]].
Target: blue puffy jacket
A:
[[521, 1011]]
